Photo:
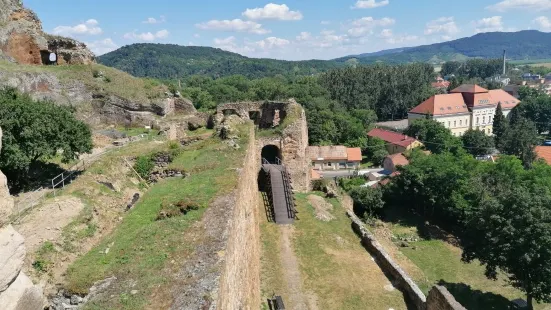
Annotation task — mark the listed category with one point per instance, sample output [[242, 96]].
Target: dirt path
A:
[[299, 299]]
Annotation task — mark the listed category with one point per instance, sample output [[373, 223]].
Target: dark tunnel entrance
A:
[[271, 153]]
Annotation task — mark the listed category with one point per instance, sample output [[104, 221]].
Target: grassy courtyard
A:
[[336, 271], [440, 263]]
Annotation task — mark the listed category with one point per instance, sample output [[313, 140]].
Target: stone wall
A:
[[399, 277], [292, 141], [240, 282], [440, 299]]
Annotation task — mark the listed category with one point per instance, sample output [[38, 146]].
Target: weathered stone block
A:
[[12, 255], [22, 295]]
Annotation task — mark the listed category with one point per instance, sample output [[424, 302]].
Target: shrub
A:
[[320, 185], [143, 166], [367, 201], [182, 207], [96, 74], [350, 184], [107, 79]]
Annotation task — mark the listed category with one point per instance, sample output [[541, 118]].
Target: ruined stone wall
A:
[[440, 299], [400, 279], [240, 282]]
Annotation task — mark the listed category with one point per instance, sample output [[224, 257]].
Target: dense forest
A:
[[169, 61], [527, 44]]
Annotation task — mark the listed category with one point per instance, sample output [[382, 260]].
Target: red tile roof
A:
[[441, 84], [398, 159], [454, 103], [442, 105], [392, 137], [469, 88], [387, 180], [334, 152], [544, 152], [354, 154], [507, 101]]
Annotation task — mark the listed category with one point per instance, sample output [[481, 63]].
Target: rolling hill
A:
[[521, 45], [168, 61]]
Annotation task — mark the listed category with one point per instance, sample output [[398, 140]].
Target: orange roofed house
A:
[[466, 107], [334, 157], [395, 142]]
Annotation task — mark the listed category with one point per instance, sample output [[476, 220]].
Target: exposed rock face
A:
[[17, 292], [6, 201], [70, 51], [12, 254], [22, 39]]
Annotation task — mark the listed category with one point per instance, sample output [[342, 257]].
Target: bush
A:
[[143, 166], [182, 207], [350, 184], [320, 185], [367, 201]]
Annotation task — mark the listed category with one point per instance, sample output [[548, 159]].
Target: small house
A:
[[395, 142], [334, 157], [391, 162]]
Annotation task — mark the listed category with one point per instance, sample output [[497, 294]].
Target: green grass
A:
[[335, 266], [440, 263], [530, 61], [140, 246], [122, 84]]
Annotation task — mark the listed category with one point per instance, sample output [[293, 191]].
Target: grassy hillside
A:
[[168, 61], [528, 44]]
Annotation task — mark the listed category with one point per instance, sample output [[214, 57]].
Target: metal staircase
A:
[[280, 191]]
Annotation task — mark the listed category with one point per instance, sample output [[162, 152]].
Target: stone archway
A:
[[270, 153]]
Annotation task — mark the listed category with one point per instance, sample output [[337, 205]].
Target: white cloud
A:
[[230, 44], [443, 25], [365, 25], [101, 47], [304, 36], [489, 24], [542, 23], [90, 27], [152, 20], [196, 35], [271, 43], [325, 22], [147, 36], [386, 33], [273, 11], [236, 25], [370, 4], [530, 5]]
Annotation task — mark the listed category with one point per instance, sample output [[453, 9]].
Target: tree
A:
[[511, 232], [520, 140], [367, 201], [437, 138], [477, 143], [538, 110], [376, 150], [500, 125], [36, 131], [526, 92]]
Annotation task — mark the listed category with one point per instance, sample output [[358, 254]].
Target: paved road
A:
[[346, 173]]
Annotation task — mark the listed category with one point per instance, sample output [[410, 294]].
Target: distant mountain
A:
[[167, 61], [521, 45]]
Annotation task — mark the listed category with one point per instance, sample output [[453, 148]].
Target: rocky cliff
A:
[[16, 289], [22, 39]]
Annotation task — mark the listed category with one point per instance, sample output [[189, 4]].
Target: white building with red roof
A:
[[395, 142], [466, 107]]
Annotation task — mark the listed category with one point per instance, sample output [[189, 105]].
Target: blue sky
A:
[[288, 29]]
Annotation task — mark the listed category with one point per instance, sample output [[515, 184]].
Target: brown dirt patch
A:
[[321, 207]]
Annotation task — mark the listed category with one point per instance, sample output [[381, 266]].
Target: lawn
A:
[[333, 264], [141, 247], [440, 263]]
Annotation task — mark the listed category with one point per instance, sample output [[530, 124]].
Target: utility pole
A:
[[504, 63]]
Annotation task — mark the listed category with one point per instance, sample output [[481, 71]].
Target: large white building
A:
[[466, 107]]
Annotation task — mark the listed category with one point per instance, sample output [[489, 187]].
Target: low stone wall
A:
[[400, 279], [440, 299], [240, 282]]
